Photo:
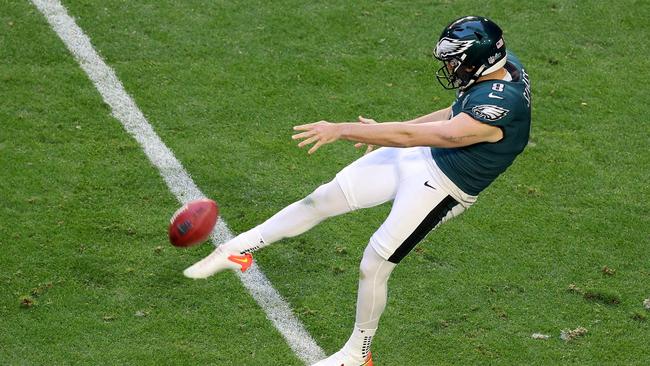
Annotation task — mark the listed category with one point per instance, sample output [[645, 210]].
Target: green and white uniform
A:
[[501, 103]]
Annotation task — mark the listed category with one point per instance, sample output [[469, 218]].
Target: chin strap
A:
[[474, 77], [483, 71], [495, 67]]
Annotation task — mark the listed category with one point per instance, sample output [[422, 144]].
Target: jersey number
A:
[[497, 87]]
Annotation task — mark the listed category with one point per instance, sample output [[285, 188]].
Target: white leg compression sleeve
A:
[[371, 302], [373, 288], [326, 201]]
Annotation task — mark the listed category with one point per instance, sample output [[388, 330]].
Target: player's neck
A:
[[496, 75]]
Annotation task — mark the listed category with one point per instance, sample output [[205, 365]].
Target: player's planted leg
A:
[[371, 302], [326, 201]]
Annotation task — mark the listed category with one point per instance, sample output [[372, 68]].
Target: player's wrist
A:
[[345, 129]]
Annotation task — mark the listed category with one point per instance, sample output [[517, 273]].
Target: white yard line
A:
[[178, 180]]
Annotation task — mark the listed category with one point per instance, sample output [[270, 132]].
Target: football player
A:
[[432, 167]]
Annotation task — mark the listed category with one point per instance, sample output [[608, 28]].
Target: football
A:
[[193, 223]]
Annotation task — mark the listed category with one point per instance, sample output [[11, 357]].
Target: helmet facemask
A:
[[454, 74]]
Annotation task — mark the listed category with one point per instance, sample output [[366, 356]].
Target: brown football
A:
[[193, 223]]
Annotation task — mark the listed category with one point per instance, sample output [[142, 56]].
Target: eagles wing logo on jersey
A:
[[449, 47], [489, 112]]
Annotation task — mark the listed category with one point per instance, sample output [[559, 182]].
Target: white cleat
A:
[[341, 358], [218, 261]]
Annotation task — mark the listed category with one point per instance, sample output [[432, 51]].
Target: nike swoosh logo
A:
[[492, 95], [429, 185], [244, 261]]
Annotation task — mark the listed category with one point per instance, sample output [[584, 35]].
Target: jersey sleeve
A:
[[492, 104]]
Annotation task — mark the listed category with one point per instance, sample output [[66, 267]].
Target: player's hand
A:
[[317, 133], [359, 145]]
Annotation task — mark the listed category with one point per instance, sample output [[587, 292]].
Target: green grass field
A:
[[88, 277]]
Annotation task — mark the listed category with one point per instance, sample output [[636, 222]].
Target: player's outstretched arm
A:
[[310, 137], [462, 130]]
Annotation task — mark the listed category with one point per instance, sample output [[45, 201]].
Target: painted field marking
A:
[[178, 181]]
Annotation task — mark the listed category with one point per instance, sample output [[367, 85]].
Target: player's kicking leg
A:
[[326, 201]]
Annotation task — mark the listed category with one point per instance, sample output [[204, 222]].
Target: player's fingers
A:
[[306, 127], [303, 135], [369, 148], [310, 126], [359, 145], [315, 147], [308, 141]]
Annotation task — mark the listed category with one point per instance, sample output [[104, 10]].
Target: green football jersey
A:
[[505, 104]]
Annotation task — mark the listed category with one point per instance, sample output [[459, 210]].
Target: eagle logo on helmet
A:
[[489, 112], [450, 47]]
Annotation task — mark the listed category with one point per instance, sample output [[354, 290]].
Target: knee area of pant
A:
[[374, 265], [318, 199], [365, 271], [369, 269], [311, 202]]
